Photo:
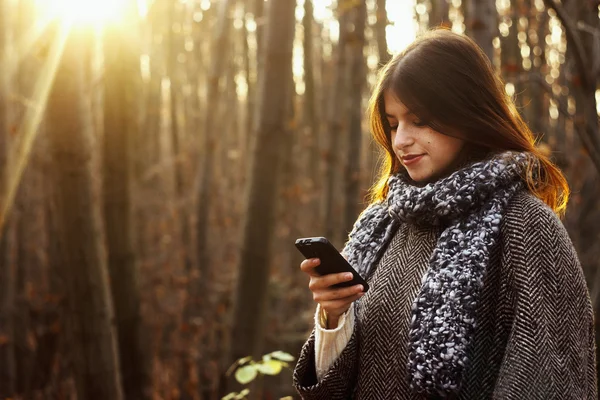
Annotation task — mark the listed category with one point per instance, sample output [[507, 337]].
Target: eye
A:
[[419, 123], [393, 127]]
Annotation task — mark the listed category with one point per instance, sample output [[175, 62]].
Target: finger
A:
[[337, 293], [332, 279], [323, 282], [309, 265], [333, 306]]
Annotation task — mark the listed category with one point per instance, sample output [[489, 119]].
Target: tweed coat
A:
[[534, 337]]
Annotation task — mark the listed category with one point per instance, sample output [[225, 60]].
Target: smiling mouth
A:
[[412, 159]]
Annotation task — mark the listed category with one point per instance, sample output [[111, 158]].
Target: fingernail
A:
[[348, 275]]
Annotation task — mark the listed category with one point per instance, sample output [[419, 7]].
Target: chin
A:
[[420, 178]]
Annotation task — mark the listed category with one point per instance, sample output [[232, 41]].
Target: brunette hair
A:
[[446, 80]]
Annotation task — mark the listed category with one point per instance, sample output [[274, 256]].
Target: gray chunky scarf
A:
[[469, 205]]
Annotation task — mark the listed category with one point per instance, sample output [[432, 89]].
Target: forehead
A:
[[393, 105]]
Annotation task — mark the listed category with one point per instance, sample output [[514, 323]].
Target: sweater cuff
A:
[[329, 343]]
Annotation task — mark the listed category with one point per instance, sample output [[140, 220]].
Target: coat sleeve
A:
[[550, 353], [337, 383]]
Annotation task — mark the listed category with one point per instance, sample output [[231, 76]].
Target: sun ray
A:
[[26, 44], [87, 12], [33, 116]]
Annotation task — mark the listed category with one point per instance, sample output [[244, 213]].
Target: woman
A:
[[476, 291]]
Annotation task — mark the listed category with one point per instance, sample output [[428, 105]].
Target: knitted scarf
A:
[[468, 205]]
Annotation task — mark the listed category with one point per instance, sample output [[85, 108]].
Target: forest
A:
[[158, 159]]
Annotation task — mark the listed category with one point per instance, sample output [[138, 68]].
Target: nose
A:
[[401, 139]]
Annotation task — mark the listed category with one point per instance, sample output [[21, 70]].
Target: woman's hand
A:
[[334, 301]]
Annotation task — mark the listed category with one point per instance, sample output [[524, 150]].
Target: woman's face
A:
[[426, 154]]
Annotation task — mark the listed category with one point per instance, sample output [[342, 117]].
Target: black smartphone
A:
[[332, 261]]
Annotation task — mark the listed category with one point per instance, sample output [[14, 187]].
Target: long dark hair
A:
[[446, 80]]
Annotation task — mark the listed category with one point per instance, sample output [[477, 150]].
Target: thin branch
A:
[[585, 136], [585, 27], [574, 40], [539, 79]]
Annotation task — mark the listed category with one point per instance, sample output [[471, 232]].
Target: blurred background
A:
[[159, 158]]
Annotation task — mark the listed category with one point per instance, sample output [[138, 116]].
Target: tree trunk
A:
[[197, 287], [511, 65], [7, 271], [356, 44], [8, 284], [585, 81], [312, 180], [438, 15], [26, 270], [380, 34], [207, 150], [538, 107], [481, 21], [257, 9], [251, 292], [176, 82], [309, 78], [336, 124], [121, 109], [33, 363], [588, 14], [92, 340], [260, 18]]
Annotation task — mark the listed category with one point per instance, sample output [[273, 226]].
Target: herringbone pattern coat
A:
[[534, 337]]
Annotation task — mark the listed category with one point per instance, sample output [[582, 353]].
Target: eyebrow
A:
[[402, 115]]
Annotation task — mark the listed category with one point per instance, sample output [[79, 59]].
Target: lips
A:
[[410, 159]]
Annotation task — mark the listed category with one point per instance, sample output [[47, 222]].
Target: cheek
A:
[[447, 150]]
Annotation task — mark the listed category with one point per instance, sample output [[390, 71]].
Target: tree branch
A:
[[561, 104], [585, 134]]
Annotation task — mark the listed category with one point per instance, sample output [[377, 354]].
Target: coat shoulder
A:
[[529, 216]]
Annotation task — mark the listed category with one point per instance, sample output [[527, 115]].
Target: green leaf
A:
[[230, 396], [246, 374], [266, 357], [236, 364], [271, 367], [283, 356], [242, 395], [244, 360]]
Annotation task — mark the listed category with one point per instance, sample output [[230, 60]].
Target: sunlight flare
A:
[[25, 45], [82, 11], [33, 117]]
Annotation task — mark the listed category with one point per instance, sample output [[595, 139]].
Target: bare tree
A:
[[209, 136], [537, 106], [309, 78], [92, 336], [176, 81], [511, 65], [438, 13], [356, 44], [481, 21], [380, 34], [336, 124], [251, 291], [581, 31], [121, 110], [7, 273]]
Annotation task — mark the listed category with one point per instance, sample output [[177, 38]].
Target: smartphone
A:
[[332, 261]]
